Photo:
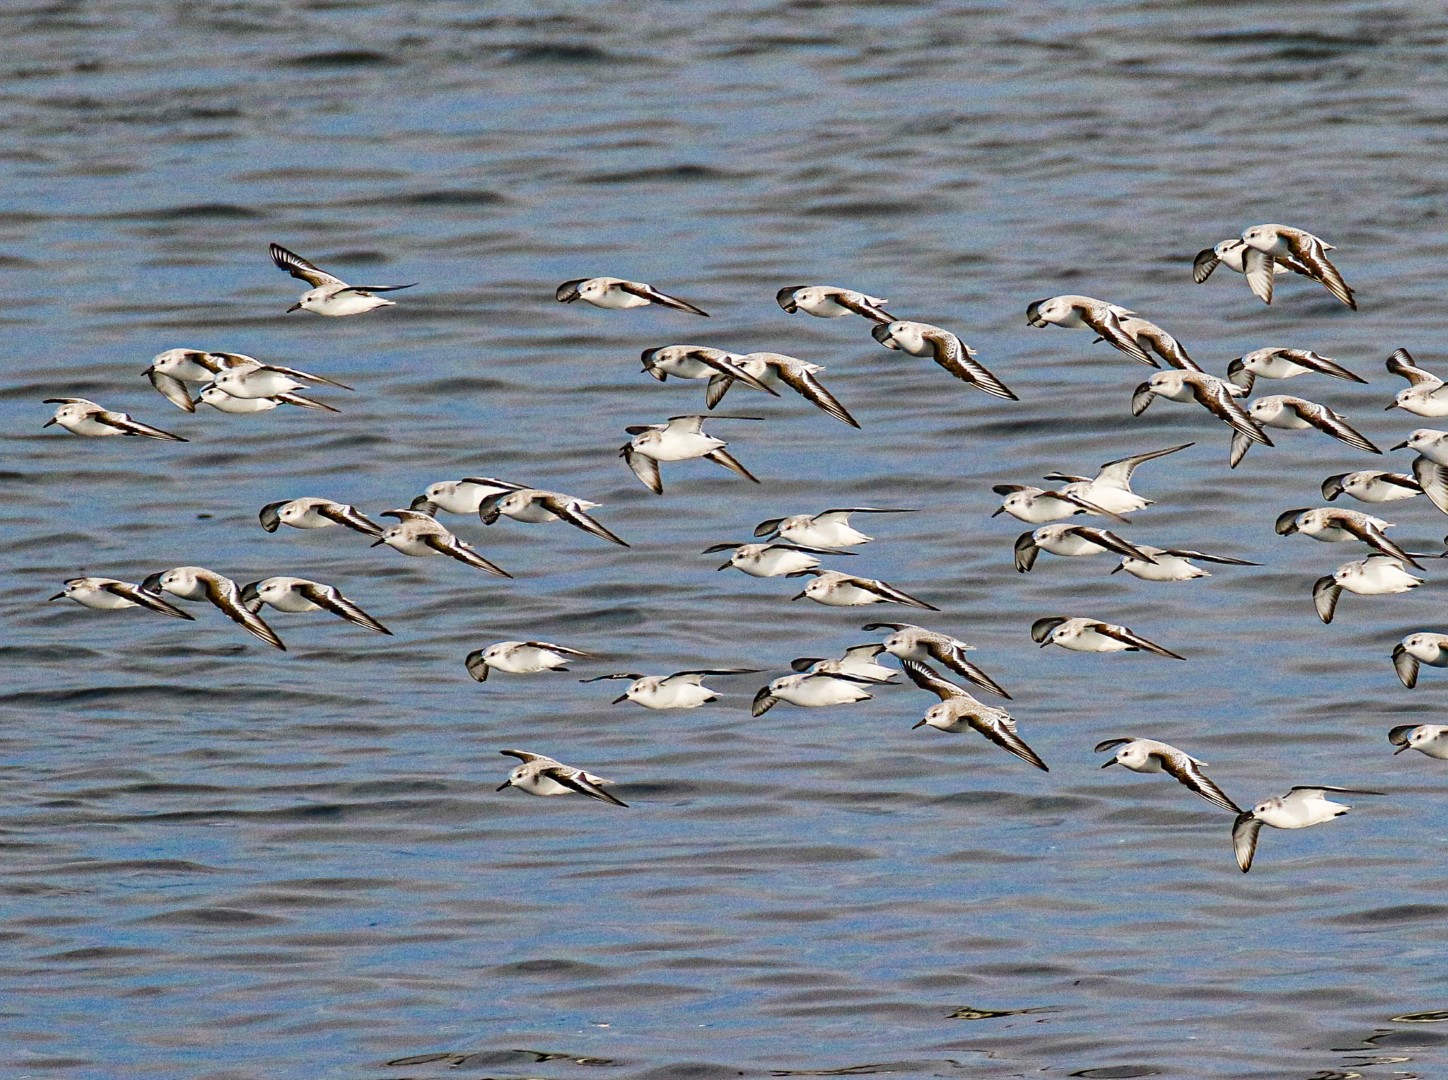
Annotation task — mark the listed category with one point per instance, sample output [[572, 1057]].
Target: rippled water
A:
[[225, 862]]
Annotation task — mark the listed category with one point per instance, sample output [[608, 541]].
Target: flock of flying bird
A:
[[794, 546]]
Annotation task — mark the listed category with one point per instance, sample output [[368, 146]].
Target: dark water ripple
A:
[[224, 862]]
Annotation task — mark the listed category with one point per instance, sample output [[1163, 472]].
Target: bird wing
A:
[[451, 546], [720, 456], [324, 596], [1189, 772], [728, 370], [524, 756], [1215, 397], [1026, 552], [1107, 744], [1312, 253], [955, 357], [812, 390], [297, 373], [1244, 839], [952, 656], [1107, 324], [1406, 665], [575, 780], [1325, 594], [1118, 472], [1041, 628], [1203, 265], [1141, 397], [1188, 553], [1260, 269], [862, 306], [644, 467], [648, 292], [1433, 479], [1002, 731], [350, 517], [224, 594], [1240, 445], [1313, 362], [477, 668], [1164, 345], [716, 389], [137, 595], [1374, 537], [561, 649], [123, 423], [569, 511], [928, 679], [1110, 541], [172, 389], [889, 592], [1402, 363], [300, 268], [1135, 640], [1330, 423], [305, 402]]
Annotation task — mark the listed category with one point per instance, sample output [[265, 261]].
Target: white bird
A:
[[834, 589], [958, 712], [1429, 442], [681, 690], [771, 559], [771, 369], [697, 362], [198, 583], [294, 594], [1372, 486], [617, 293], [1172, 564], [540, 775], [1430, 739], [1296, 414], [171, 370], [1424, 395], [1149, 756], [1075, 312], [1335, 525], [1278, 363], [1423, 647], [1110, 489], [910, 642], [829, 529], [830, 302], [221, 401], [535, 505], [945, 348], [812, 690], [1036, 506], [82, 417], [1092, 635], [1377, 575], [330, 295], [1299, 808], [1071, 540], [310, 512], [463, 496], [521, 658], [1430, 467], [1297, 250], [108, 594], [1215, 395], [258, 380], [680, 439], [858, 660], [1231, 254], [420, 535]]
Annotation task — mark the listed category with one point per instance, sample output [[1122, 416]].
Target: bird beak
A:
[[47, 424], [726, 566], [58, 596], [1391, 407], [799, 596], [1048, 640], [505, 785], [298, 307], [619, 700], [1118, 569], [375, 543], [999, 512], [1109, 764], [1401, 446], [914, 726], [1399, 750]]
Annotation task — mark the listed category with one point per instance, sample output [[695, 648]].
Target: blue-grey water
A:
[[225, 862]]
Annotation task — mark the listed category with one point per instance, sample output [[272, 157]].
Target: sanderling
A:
[[1148, 756], [258, 380], [521, 658], [910, 642], [1424, 395], [681, 690], [829, 302], [1430, 739], [1153, 339], [1420, 648], [828, 529], [1299, 808], [772, 559], [536, 505], [420, 535], [1215, 395], [858, 660], [463, 496], [812, 690], [223, 402], [198, 583], [770, 368], [945, 348], [698, 362], [310, 512], [1335, 525], [958, 711], [1295, 414], [1110, 489], [1172, 564], [82, 417], [1035, 506], [1372, 486], [834, 589], [1074, 312], [1092, 635], [1295, 249], [330, 295], [294, 594], [680, 439], [1232, 254], [1283, 364], [540, 775], [1069, 540], [616, 293], [171, 370], [1377, 575], [108, 594], [1430, 467]]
